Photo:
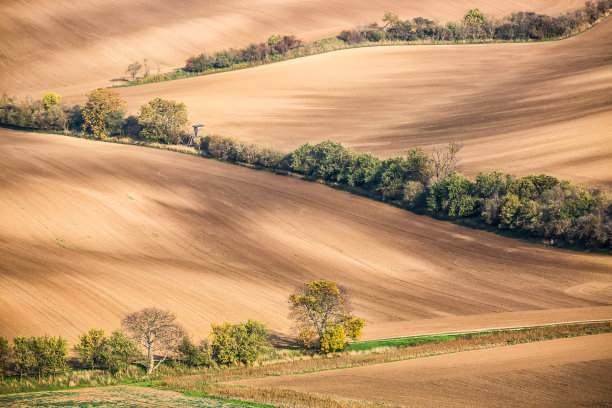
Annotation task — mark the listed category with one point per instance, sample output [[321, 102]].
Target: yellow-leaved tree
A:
[[322, 314], [101, 105]]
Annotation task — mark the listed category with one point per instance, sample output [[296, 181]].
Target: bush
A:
[[238, 343], [351, 37], [101, 109], [163, 121], [193, 355], [452, 197]]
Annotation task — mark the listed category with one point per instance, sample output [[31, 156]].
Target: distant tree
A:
[[474, 20], [5, 356], [241, 342], [119, 352], [163, 120], [156, 330], [51, 99], [101, 105], [147, 67], [445, 160], [133, 69], [452, 196], [131, 127], [322, 314], [91, 348], [390, 19], [273, 40]]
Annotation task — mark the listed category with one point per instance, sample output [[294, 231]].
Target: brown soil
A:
[[557, 373], [63, 45], [92, 231], [520, 108]]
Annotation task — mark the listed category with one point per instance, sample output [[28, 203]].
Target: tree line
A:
[[320, 309], [159, 120], [536, 206], [475, 26]]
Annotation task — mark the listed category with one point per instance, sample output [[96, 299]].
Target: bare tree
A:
[[445, 159], [147, 67], [134, 68], [156, 330]]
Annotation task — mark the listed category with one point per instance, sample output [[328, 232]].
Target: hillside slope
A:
[[520, 108], [65, 44], [92, 231]]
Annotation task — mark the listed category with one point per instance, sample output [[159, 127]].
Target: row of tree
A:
[[321, 311], [475, 26], [541, 207], [159, 120], [254, 53]]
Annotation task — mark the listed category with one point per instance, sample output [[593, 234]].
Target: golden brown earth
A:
[[65, 44], [92, 231], [557, 373], [519, 108]]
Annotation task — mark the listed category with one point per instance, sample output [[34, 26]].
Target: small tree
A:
[[51, 99], [91, 348], [119, 352], [101, 105], [133, 69], [163, 120], [156, 330], [24, 359], [474, 20], [242, 342], [193, 355], [5, 356], [49, 354], [322, 314]]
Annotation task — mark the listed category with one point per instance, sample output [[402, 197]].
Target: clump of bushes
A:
[[255, 53]]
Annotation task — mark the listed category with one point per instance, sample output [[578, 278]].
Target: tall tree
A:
[[101, 105], [322, 314], [156, 330]]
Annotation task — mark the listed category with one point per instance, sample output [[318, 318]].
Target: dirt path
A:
[[557, 373], [91, 231]]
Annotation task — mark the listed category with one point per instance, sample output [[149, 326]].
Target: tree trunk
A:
[[150, 364]]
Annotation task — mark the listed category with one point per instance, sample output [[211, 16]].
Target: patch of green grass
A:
[[399, 342]]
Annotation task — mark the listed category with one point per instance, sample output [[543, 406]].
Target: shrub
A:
[[91, 348], [163, 121], [119, 352], [5, 356], [452, 197], [192, 354], [238, 343], [351, 37]]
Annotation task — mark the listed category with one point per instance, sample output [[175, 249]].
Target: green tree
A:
[[193, 355], [509, 213], [24, 358], [91, 348], [452, 196], [51, 99], [49, 354], [322, 314], [241, 342], [156, 330], [5, 356], [101, 105], [163, 120], [119, 352]]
